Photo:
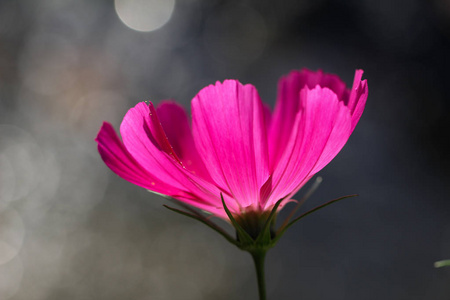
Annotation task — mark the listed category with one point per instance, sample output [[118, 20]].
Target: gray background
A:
[[71, 229]]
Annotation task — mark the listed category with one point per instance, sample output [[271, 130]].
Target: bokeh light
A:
[[144, 15], [20, 157], [11, 275], [12, 233]]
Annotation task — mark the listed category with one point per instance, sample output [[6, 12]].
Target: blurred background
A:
[[71, 229]]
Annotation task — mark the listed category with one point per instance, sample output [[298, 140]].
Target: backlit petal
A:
[[288, 105], [358, 97], [120, 161], [175, 123], [320, 130], [230, 133], [145, 139]]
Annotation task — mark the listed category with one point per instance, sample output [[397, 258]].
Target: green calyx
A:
[[256, 223], [255, 231]]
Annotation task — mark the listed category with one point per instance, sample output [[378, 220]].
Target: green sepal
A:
[[243, 236], [265, 237], [283, 229], [442, 263], [205, 221], [254, 230], [308, 194]]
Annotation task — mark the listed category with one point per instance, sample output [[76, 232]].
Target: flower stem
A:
[[259, 258]]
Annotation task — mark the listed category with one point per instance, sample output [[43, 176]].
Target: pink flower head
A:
[[235, 146]]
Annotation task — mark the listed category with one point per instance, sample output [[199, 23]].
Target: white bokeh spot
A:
[[144, 15]]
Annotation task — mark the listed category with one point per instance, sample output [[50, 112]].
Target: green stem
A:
[[258, 258]]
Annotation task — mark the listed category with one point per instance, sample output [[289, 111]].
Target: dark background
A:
[[71, 229]]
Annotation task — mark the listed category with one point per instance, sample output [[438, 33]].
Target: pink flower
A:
[[236, 146]]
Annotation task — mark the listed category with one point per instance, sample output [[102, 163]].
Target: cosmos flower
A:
[[237, 160], [235, 147]]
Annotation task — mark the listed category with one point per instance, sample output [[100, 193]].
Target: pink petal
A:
[[358, 97], [230, 133], [146, 141], [176, 126], [288, 105], [321, 128], [120, 161]]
